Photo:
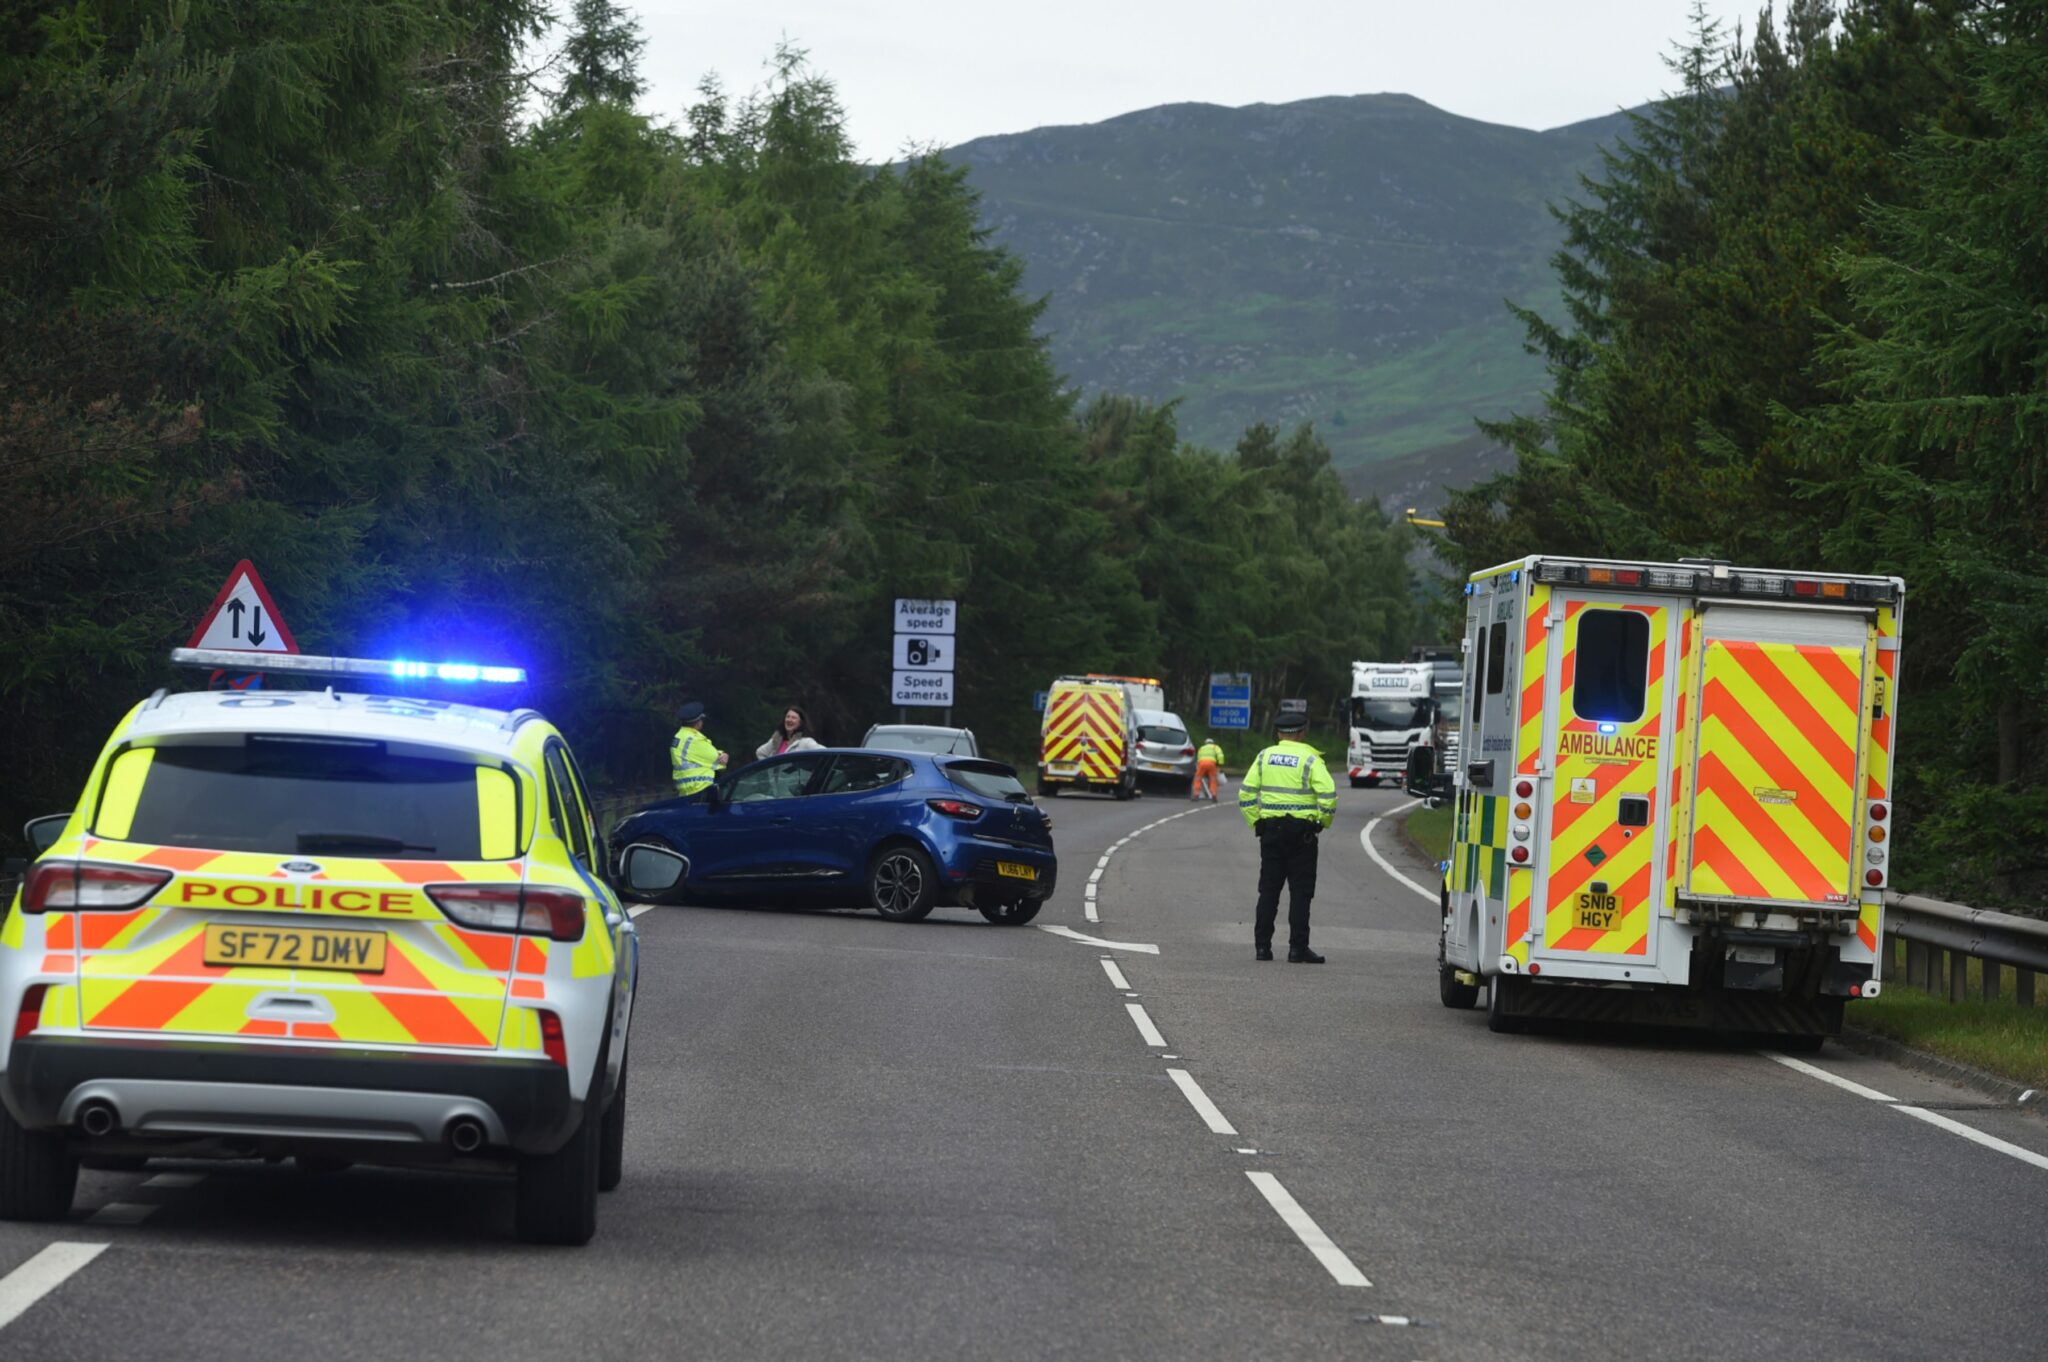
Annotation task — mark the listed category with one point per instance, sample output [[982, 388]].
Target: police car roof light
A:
[[306, 664]]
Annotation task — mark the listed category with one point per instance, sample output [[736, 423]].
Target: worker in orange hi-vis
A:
[[1208, 766]]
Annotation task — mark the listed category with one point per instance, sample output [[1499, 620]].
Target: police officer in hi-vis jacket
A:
[[1288, 798]]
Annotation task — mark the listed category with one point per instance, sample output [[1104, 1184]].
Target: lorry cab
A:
[[1394, 708], [1672, 802]]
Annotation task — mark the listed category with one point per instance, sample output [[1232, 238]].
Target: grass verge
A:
[[2000, 1037], [1430, 830]]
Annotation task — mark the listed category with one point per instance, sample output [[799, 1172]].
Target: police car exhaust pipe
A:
[[465, 1135], [98, 1119]]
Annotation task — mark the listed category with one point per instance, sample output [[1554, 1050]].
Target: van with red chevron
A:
[[1672, 795]]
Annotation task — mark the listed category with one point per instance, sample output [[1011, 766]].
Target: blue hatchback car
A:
[[900, 832]]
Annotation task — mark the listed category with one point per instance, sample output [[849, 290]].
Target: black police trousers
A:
[[1287, 856]]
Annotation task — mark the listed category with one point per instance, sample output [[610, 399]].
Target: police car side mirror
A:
[[42, 833], [651, 872]]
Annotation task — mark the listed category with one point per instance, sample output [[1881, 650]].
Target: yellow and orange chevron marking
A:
[[1617, 764], [1535, 656], [1085, 725], [1778, 737]]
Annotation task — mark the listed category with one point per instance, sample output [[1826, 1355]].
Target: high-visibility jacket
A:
[[1210, 752], [692, 760], [1288, 780]]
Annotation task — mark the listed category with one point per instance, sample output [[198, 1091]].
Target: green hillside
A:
[[1340, 260]]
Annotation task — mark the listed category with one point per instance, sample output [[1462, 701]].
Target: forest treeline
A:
[[1806, 325], [475, 358]]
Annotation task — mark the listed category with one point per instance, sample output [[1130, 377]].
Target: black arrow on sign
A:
[[256, 634], [235, 608]]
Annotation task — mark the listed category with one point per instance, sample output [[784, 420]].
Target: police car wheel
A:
[[611, 1149], [38, 1174], [902, 885], [555, 1197]]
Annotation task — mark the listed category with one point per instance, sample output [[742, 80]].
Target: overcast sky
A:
[[944, 71]]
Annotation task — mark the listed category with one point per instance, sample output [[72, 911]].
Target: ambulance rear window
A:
[[1613, 666], [310, 797]]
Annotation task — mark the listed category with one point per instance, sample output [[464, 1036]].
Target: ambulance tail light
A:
[[88, 886], [31, 1014], [526, 909]]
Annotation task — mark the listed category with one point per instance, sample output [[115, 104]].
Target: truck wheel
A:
[[902, 885], [1499, 1020], [1358, 782], [38, 1175]]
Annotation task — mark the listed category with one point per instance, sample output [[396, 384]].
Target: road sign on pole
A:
[[923, 672], [1294, 706], [1230, 700], [243, 618], [1038, 699]]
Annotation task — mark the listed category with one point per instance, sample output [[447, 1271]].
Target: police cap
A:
[[1292, 722], [690, 713]]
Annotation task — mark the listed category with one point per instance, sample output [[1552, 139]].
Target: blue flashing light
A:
[[1607, 728], [456, 671]]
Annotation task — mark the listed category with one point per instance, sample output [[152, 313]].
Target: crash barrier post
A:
[[1942, 938]]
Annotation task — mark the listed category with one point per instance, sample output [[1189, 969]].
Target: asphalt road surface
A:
[[851, 1138]]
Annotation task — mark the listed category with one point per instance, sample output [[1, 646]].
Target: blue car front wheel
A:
[[902, 885]]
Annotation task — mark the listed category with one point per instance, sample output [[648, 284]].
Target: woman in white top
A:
[[793, 734]]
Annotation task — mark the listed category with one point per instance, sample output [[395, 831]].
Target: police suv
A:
[[331, 925]]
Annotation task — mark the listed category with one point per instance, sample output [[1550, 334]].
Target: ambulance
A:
[[336, 925], [1673, 800], [1393, 708], [1089, 738]]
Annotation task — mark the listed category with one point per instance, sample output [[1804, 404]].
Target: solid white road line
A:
[[1815, 1071], [173, 1180], [1975, 1136], [1146, 1030], [41, 1275], [1199, 1100], [121, 1213], [1070, 934], [1116, 976], [1365, 840], [1311, 1235]]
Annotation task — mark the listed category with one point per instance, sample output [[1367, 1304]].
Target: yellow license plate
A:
[[1601, 912], [1016, 871], [295, 948]]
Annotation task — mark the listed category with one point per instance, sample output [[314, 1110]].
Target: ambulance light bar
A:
[[303, 664], [1717, 581]]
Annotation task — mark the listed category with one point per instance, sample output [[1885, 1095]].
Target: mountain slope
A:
[[1341, 260]]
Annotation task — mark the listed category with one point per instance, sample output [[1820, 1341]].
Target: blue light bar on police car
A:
[[305, 664]]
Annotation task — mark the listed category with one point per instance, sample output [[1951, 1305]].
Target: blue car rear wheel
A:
[[902, 885]]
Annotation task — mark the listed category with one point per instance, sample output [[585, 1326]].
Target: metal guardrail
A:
[[1942, 938]]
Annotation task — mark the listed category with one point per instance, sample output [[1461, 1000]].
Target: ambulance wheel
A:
[[1046, 789], [1127, 788], [1801, 1044], [902, 885], [1453, 991], [611, 1149], [38, 1174], [1498, 1019]]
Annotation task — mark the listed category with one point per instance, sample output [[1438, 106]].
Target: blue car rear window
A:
[[988, 779]]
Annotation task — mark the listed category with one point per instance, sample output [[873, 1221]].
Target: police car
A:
[[329, 925]]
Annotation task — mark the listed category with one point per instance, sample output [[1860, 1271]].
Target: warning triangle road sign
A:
[[243, 618]]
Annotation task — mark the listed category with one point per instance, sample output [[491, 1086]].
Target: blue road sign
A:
[[1038, 699], [1230, 700]]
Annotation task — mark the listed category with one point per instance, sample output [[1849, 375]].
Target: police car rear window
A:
[[310, 797]]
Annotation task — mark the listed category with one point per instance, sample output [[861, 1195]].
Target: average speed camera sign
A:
[[923, 658]]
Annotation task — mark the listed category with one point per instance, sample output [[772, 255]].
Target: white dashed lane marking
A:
[[1199, 1100], [1333, 1259], [121, 1213], [1147, 1032], [1116, 976], [41, 1275]]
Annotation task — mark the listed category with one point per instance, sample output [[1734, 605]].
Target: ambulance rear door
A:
[[1776, 755], [1611, 693]]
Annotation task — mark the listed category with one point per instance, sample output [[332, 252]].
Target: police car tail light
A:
[[552, 1041], [86, 886], [955, 808], [31, 1014], [525, 909]]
